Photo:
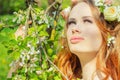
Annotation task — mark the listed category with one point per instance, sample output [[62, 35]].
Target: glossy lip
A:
[[76, 39]]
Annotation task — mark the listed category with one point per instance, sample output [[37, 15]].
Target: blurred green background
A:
[[7, 7]]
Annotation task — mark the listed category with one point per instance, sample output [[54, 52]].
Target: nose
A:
[[75, 30]]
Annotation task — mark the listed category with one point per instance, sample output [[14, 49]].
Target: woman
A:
[[88, 54]]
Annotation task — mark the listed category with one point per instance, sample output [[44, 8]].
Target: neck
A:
[[88, 64]]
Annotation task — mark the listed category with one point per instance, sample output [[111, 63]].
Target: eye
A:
[[88, 21], [71, 22]]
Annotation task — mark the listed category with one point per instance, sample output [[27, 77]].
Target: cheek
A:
[[94, 36], [94, 32]]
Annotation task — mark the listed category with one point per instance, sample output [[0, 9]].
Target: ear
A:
[[65, 13]]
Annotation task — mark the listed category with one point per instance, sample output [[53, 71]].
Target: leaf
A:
[[52, 34], [50, 51], [55, 23], [3, 50], [43, 33], [1, 25], [37, 10], [31, 30], [9, 51], [3, 38], [42, 27], [56, 78]]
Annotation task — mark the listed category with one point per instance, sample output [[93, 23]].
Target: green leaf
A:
[[42, 27], [3, 38], [50, 51], [43, 33], [57, 78]]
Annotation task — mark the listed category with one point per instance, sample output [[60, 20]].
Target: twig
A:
[[50, 7], [27, 18], [53, 63]]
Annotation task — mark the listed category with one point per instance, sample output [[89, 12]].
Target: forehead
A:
[[81, 9]]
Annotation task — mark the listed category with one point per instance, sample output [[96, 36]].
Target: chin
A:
[[75, 50]]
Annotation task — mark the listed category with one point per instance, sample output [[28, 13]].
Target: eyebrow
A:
[[84, 17], [71, 19]]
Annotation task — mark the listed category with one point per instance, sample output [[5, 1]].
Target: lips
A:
[[76, 39]]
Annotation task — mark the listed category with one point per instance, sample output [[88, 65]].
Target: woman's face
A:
[[83, 35]]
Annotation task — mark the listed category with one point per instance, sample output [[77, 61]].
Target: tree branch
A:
[[53, 63]]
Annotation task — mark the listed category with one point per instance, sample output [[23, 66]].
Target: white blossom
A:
[[110, 13], [111, 40], [50, 69], [39, 72]]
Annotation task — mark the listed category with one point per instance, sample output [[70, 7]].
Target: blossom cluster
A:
[[111, 40], [111, 12]]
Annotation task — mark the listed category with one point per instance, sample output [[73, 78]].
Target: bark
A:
[[13, 69]]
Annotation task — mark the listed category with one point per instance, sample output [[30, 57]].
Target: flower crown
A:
[[110, 10]]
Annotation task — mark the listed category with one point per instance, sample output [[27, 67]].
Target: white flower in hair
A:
[[110, 13], [111, 40]]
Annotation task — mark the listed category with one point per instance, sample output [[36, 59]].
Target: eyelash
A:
[[71, 22], [87, 20]]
